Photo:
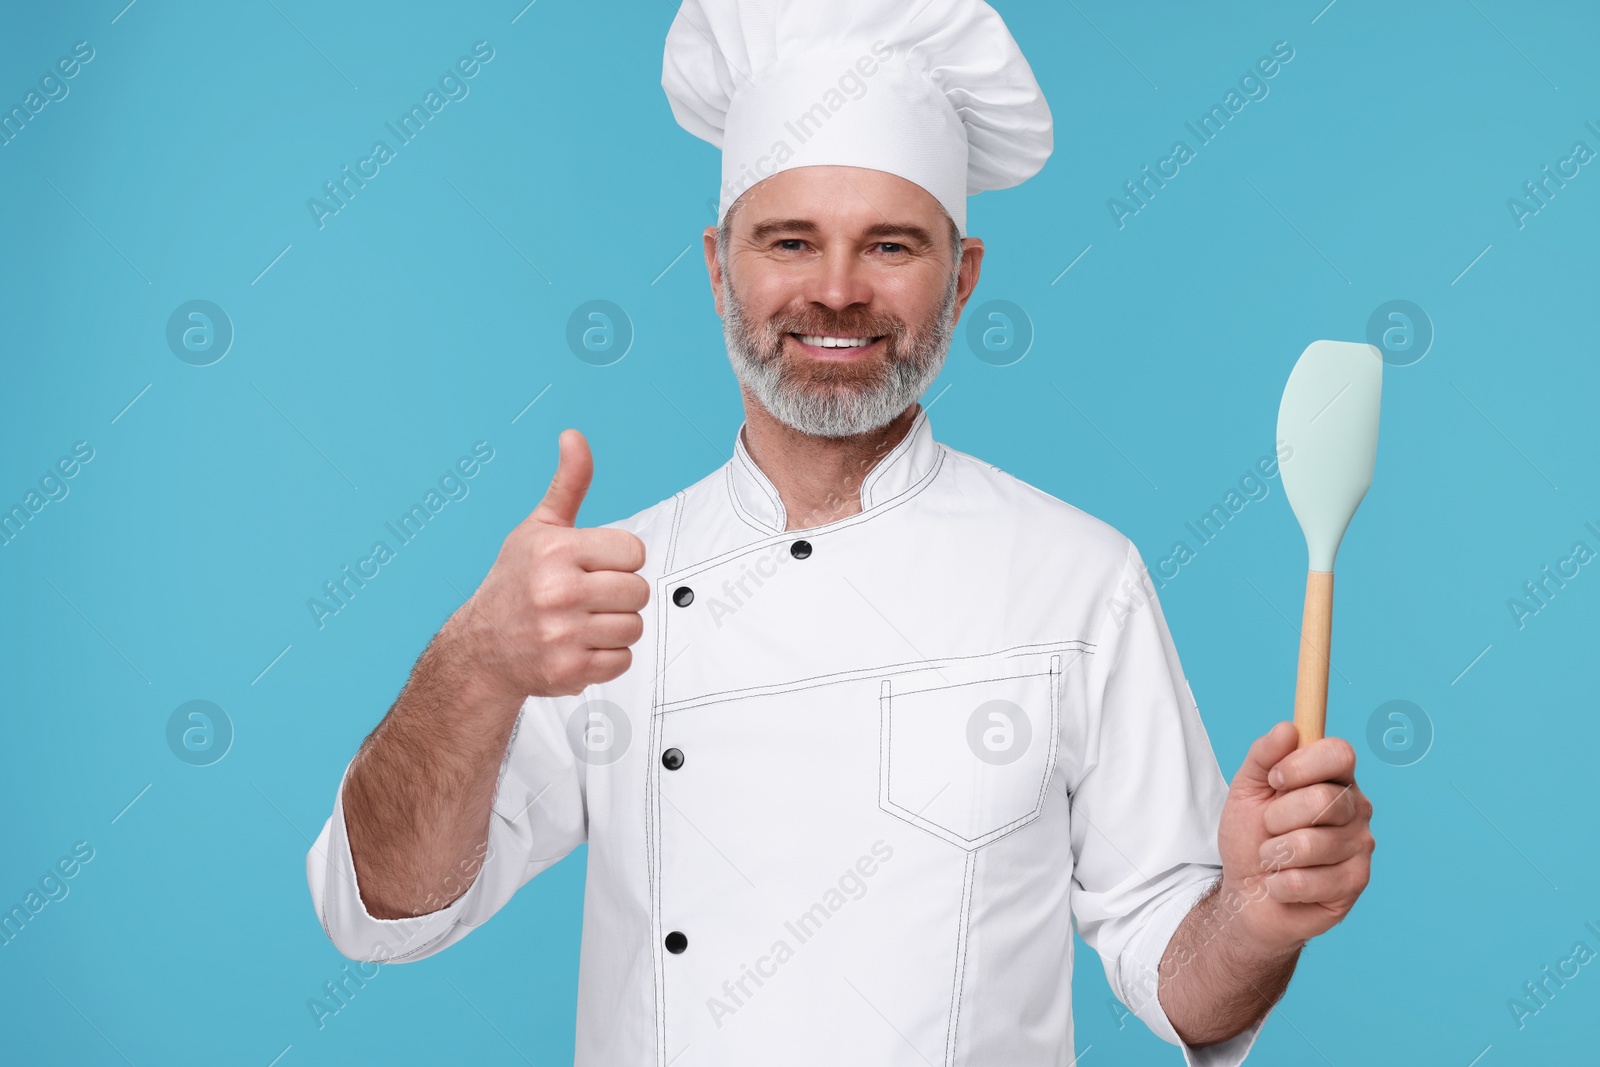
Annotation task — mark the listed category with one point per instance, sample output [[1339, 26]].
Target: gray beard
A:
[[836, 400]]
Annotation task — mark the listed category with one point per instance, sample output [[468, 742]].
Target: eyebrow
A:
[[772, 227]]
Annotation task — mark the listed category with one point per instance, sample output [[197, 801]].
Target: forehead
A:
[[836, 199]]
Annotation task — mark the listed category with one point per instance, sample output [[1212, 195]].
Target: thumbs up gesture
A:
[[1295, 838], [560, 607]]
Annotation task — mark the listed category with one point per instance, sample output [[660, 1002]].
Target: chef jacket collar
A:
[[904, 468]]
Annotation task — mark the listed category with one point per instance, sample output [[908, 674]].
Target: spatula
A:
[[1328, 420]]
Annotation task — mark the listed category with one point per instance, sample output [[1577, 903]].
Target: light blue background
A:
[[429, 312]]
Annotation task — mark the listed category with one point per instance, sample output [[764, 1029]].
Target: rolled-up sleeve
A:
[[536, 819], [1145, 808]]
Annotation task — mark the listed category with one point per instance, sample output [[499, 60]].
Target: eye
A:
[[892, 247], [782, 242]]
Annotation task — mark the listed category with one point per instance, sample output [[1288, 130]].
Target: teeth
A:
[[835, 342]]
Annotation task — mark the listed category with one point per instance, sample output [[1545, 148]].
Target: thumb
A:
[[1264, 755], [574, 471]]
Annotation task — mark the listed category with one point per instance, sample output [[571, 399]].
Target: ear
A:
[[971, 264], [713, 268]]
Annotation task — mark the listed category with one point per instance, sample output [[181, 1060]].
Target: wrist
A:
[[463, 658], [1245, 905]]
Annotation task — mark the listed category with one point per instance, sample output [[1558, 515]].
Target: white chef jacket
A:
[[856, 785]]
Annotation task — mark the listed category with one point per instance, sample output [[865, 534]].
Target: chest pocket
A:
[[966, 750]]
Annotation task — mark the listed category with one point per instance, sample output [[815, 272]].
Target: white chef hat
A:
[[937, 93]]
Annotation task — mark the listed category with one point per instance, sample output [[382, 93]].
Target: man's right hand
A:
[[561, 605]]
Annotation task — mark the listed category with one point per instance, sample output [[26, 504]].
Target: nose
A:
[[838, 280]]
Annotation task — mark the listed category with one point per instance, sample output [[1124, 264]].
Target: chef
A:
[[858, 727]]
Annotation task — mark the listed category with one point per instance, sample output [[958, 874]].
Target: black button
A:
[[683, 596], [672, 759], [800, 549], [676, 942]]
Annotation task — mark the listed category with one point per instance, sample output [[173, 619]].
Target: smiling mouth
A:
[[825, 346]]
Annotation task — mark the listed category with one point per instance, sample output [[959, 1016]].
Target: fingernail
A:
[[1275, 778]]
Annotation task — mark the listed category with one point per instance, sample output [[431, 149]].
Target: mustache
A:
[[837, 327]]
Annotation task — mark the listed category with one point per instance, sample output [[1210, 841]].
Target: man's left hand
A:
[[1295, 838]]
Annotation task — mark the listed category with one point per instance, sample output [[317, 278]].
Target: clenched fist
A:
[[1296, 839], [561, 605]]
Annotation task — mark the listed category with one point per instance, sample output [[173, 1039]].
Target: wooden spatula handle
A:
[[1316, 637]]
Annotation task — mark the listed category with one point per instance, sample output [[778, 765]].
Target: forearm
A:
[[419, 792], [1214, 984]]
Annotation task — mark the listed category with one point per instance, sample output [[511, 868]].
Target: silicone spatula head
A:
[[1329, 421]]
